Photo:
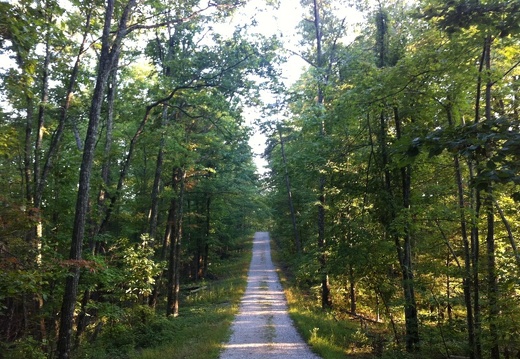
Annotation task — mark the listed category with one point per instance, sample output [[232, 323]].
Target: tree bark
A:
[[466, 282], [475, 262], [410, 310], [109, 52], [205, 255], [172, 307], [27, 153], [40, 128], [154, 207], [97, 247], [297, 241], [494, 311], [490, 236], [326, 299], [164, 248], [352, 290]]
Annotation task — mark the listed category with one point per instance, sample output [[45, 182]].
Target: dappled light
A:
[[142, 144], [262, 328]]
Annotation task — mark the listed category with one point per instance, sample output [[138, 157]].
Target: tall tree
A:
[[110, 50]]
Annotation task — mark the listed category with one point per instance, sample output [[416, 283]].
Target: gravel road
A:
[[262, 328]]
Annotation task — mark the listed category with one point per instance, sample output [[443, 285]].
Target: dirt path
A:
[[262, 328]]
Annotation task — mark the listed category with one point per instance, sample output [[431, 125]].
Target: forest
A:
[[391, 188]]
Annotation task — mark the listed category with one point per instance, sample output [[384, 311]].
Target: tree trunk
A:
[[109, 52], [172, 307], [509, 233], [494, 311], [27, 161], [154, 207], [297, 241], [466, 282], [352, 290], [205, 255], [326, 300], [152, 302], [475, 262], [449, 309], [40, 128], [97, 247], [41, 176], [410, 310], [475, 206], [490, 236], [107, 161], [36, 233]]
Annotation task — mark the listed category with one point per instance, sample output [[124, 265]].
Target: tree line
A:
[[394, 172], [125, 164], [392, 180]]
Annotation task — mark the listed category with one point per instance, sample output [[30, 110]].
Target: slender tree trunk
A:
[[56, 138], [494, 311], [297, 241], [448, 290], [476, 206], [177, 248], [154, 208], [410, 311], [36, 233], [412, 324], [466, 282], [164, 249], [509, 233], [205, 255], [352, 290], [27, 162], [42, 107], [326, 299], [170, 274], [109, 52], [475, 263], [172, 307], [97, 247], [40, 128], [107, 160], [490, 236]]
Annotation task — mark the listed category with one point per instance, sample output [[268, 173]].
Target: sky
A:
[[282, 21]]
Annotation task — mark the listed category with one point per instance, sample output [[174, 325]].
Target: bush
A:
[[26, 348]]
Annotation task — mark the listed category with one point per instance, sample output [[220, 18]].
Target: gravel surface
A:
[[262, 328]]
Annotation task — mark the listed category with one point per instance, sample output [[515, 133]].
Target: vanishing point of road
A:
[[263, 328]]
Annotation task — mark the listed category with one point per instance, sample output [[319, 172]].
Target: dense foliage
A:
[[125, 166], [413, 129], [126, 177]]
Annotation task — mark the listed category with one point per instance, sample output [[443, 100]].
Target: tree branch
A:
[[182, 20]]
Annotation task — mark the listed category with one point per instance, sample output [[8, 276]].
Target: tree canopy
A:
[[392, 178]]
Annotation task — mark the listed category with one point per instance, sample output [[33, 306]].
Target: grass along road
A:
[[262, 328]]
